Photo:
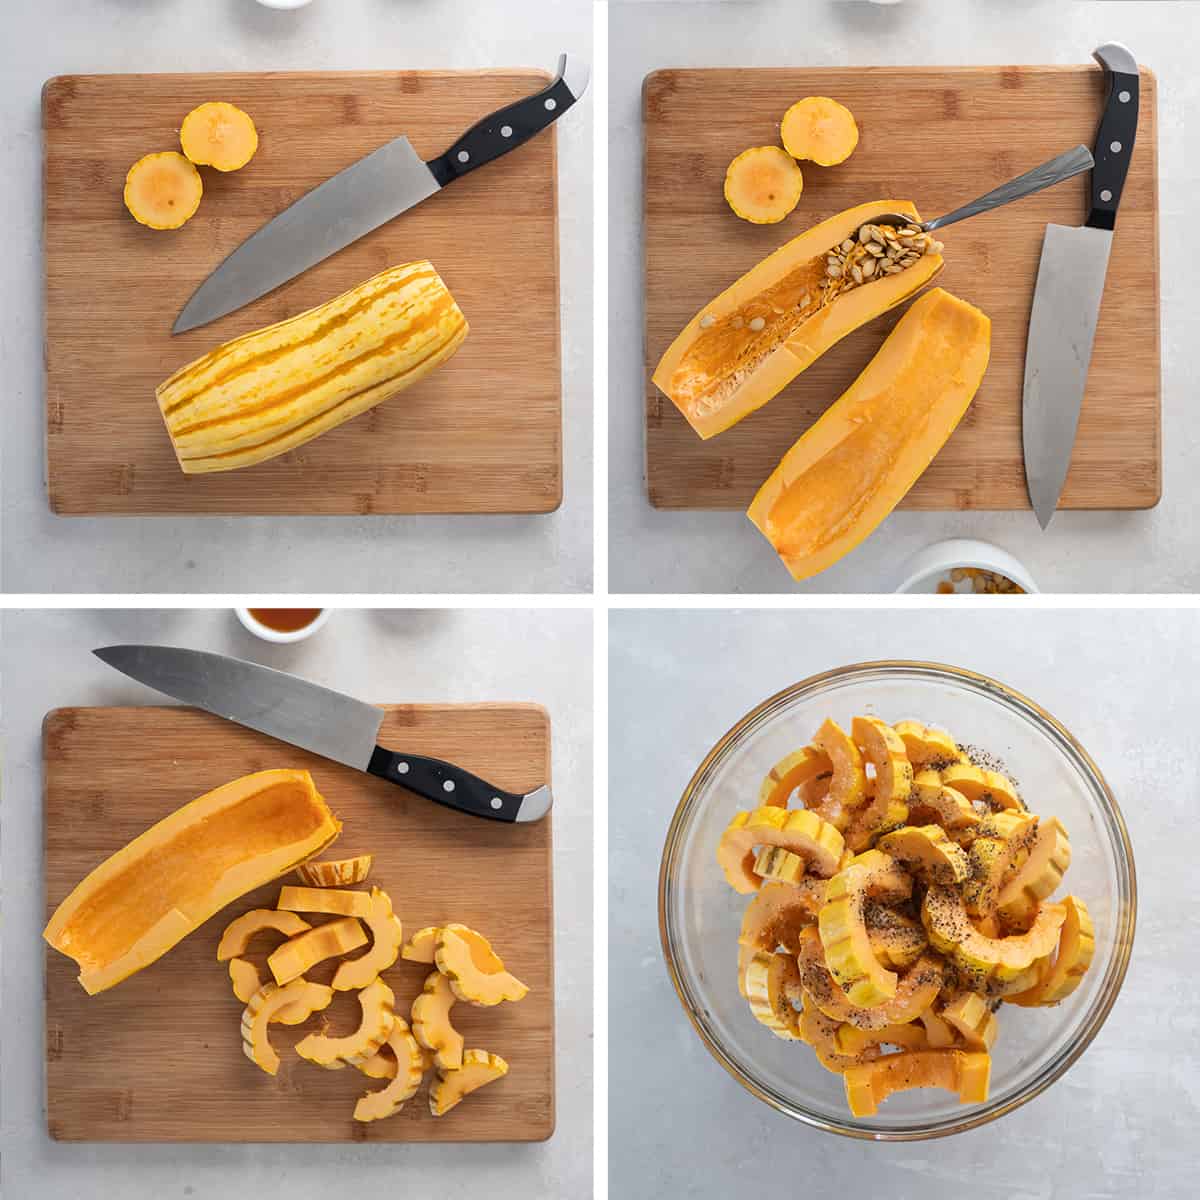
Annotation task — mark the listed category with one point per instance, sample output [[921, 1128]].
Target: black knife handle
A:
[[510, 127], [444, 783], [1114, 141]]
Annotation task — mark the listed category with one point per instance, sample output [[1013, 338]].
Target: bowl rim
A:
[[975, 1115]]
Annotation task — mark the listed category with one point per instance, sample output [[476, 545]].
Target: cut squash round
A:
[[1037, 877], [798, 830], [163, 191], [431, 1022], [819, 130], [410, 1070], [336, 872], [793, 771], [239, 932], [928, 851], [888, 805], [422, 946], [387, 936], [970, 1014], [1076, 947], [925, 746], [1000, 841], [378, 1014], [478, 1069], [763, 185], [844, 476], [475, 971], [264, 1008], [965, 1072], [246, 981], [770, 980], [219, 135]]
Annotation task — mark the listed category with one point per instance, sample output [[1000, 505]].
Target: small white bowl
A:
[[256, 627], [929, 567]]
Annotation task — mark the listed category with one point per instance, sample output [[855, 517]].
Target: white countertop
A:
[[1122, 1121], [45, 553], [1151, 551], [396, 655]]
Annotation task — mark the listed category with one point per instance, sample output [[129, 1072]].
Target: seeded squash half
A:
[[846, 474], [750, 342]]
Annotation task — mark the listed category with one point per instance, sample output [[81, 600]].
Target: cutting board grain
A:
[[158, 1057], [940, 137], [481, 434]]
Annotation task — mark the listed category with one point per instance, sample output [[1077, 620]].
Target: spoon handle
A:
[[1061, 167]]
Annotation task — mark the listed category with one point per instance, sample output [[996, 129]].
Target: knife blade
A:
[[316, 719], [367, 194], [1068, 294]]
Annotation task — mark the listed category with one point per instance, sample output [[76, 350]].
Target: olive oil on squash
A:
[[285, 620]]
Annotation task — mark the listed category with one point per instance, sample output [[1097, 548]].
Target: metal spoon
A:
[[1064, 166]]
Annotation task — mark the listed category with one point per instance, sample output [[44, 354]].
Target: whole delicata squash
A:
[[378, 1014], [763, 184], [162, 191], [150, 895], [750, 342], [431, 1022], [452, 1087], [965, 1072], [850, 469], [798, 830], [375, 1106], [475, 971], [272, 390], [220, 135], [819, 129], [387, 937]]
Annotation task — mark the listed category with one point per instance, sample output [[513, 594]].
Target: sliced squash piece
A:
[[775, 863], [933, 802], [999, 841], [926, 850], [387, 937], [1037, 877], [961, 1071], [378, 1003], [478, 1069], [246, 981], [162, 191], [775, 917], [798, 830], [238, 933], [821, 1033], [852, 1040], [843, 930], [888, 806], [897, 941], [475, 971], [770, 980], [219, 135], [971, 1015], [763, 185], [846, 474], [925, 746], [978, 784], [750, 342], [298, 954], [336, 872], [325, 900], [819, 129], [848, 785], [938, 1031], [789, 773], [383, 1064], [422, 946], [431, 1022], [410, 1070], [1076, 948], [980, 958], [265, 1006], [167, 882], [244, 976]]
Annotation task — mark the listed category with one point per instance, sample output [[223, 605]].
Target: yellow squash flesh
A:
[[798, 830], [238, 932], [422, 946], [219, 135], [375, 1106], [275, 389], [927, 850], [163, 191], [478, 1068], [475, 971], [770, 979], [388, 936], [888, 806], [325, 900], [763, 184], [264, 1008], [336, 872], [1076, 947], [378, 1014], [167, 882], [964, 1072], [793, 771], [431, 1022], [297, 954]]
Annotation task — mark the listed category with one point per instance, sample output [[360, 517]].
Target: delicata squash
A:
[[452, 1087], [802, 832], [475, 971], [763, 184], [893, 967], [431, 1022], [336, 872], [375, 1106], [272, 390], [150, 895], [378, 1014], [220, 135], [163, 191]]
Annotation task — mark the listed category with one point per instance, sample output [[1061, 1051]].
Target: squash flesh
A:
[[305, 950], [846, 474], [800, 831], [218, 135], [148, 896], [336, 872], [819, 129], [388, 936], [763, 184], [163, 191], [965, 1072]]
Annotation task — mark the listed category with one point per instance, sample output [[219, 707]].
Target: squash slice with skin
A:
[[843, 930], [770, 981], [961, 1071], [836, 485], [431, 1022], [852, 1040], [238, 933], [776, 917], [928, 851], [763, 184], [896, 941], [848, 784], [422, 946], [1076, 948], [1037, 877], [163, 191], [219, 135], [264, 1008], [247, 981], [821, 1033], [793, 771], [330, 901], [410, 1070], [150, 895], [752, 340], [979, 784], [819, 129], [970, 1014], [452, 1087], [939, 1032], [925, 745], [933, 802], [388, 936], [798, 830], [378, 1003], [336, 872], [775, 864], [999, 840], [888, 806], [298, 954], [475, 971]]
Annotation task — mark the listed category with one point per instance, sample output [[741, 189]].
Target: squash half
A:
[[167, 882], [846, 474], [750, 342]]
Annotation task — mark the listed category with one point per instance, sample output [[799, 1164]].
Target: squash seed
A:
[[707, 321], [758, 324]]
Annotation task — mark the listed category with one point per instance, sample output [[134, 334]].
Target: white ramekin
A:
[[256, 627], [928, 567]]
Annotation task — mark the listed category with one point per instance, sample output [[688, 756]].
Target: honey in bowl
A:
[[285, 620]]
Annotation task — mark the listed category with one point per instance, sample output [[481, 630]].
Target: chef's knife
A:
[[367, 194], [316, 719], [1066, 301]]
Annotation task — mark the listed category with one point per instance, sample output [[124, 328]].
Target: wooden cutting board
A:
[[158, 1058], [940, 137], [481, 434]]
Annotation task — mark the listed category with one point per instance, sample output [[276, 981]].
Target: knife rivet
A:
[[1115, 147], [448, 785], [1124, 97], [402, 768], [506, 131], [551, 104], [497, 802], [1106, 195], [463, 156]]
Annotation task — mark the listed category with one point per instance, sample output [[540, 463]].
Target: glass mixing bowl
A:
[[700, 916]]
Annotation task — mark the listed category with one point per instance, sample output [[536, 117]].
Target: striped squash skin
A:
[[276, 388]]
